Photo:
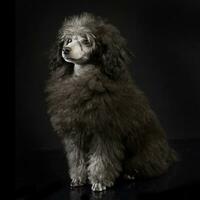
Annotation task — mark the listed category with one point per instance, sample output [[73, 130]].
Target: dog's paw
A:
[[109, 184], [129, 177], [98, 187], [76, 182]]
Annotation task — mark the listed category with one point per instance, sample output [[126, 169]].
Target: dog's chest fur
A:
[[88, 101], [72, 99]]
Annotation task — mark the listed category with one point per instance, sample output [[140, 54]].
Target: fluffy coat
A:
[[106, 123]]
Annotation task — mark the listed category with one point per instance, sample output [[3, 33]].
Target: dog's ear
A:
[[114, 53], [56, 60]]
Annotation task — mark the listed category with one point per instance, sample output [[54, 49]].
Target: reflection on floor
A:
[[43, 177]]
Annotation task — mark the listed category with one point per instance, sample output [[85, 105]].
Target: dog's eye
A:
[[68, 40], [86, 42]]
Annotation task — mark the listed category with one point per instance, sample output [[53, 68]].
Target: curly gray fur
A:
[[104, 120]]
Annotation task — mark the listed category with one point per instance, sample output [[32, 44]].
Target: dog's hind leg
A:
[[151, 162], [76, 162]]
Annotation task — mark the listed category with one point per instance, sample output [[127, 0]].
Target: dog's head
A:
[[87, 39], [78, 48]]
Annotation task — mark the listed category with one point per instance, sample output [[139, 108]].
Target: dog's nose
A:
[[66, 50]]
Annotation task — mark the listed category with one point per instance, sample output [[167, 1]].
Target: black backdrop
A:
[[163, 35]]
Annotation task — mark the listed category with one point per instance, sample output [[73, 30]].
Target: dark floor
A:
[[43, 175]]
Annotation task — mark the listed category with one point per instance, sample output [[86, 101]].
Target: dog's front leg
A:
[[104, 163], [76, 162]]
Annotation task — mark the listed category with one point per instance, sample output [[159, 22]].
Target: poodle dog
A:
[[106, 124]]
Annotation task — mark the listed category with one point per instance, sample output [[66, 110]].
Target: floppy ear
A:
[[55, 56], [115, 55], [56, 60]]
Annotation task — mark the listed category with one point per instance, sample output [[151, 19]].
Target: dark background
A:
[[163, 35]]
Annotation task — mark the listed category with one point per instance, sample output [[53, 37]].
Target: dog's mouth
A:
[[73, 60], [69, 59]]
